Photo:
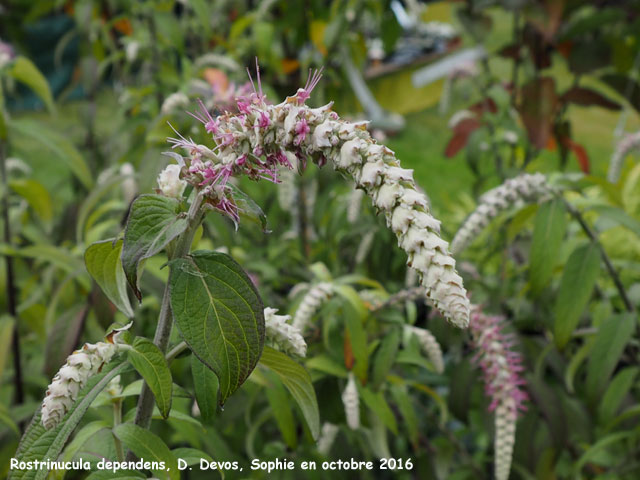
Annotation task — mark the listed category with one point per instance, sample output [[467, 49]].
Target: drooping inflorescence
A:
[[351, 401], [525, 188], [73, 375], [623, 148], [261, 138], [310, 303], [286, 336], [501, 367], [429, 346]]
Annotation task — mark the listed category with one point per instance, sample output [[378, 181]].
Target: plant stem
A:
[[117, 420], [144, 410], [175, 351], [575, 213], [11, 287]]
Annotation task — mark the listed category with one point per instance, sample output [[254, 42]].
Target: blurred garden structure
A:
[[399, 239]]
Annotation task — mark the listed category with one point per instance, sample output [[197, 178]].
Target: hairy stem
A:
[[11, 287], [575, 213], [144, 409]]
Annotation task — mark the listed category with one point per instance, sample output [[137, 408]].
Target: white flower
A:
[[131, 50], [312, 301], [173, 102], [525, 188], [280, 332], [170, 183], [623, 148], [429, 346], [351, 402], [129, 186], [327, 437], [63, 390]]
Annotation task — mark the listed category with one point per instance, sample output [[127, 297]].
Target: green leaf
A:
[[191, 455], [36, 196], [379, 406], [206, 387], [403, 401], [83, 435], [149, 446], [548, 232], [355, 314], [153, 222], [613, 334], [279, 403], [6, 335], [7, 420], [63, 336], [151, 364], [57, 144], [219, 314], [23, 70], [578, 279], [102, 260], [616, 393], [40, 444], [298, 382], [385, 358], [619, 216]]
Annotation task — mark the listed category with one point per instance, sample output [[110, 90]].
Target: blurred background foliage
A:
[[88, 90]]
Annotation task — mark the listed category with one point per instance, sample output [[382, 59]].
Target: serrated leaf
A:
[[219, 314], [153, 222], [578, 279], [40, 444], [83, 435], [550, 225], [613, 334], [102, 260], [149, 446], [23, 70], [298, 381], [57, 144], [206, 386], [151, 364]]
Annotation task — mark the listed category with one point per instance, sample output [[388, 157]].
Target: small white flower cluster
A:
[[525, 188], [429, 346], [317, 296], [327, 437], [173, 102], [505, 424], [354, 204], [170, 183], [623, 148], [351, 401], [63, 390], [286, 336]]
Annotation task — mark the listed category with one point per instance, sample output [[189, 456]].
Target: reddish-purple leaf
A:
[[461, 133], [588, 97], [537, 109]]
